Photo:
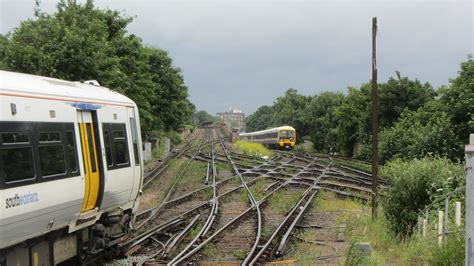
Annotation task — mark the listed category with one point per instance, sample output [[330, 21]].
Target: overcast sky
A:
[[245, 54]]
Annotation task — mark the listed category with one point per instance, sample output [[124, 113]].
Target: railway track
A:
[[184, 225]]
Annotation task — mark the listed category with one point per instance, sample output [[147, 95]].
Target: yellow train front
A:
[[286, 137], [278, 138]]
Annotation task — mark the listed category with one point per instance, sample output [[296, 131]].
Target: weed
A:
[[252, 148], [282, 201], [209, 250], [195, 231], [240, 254]]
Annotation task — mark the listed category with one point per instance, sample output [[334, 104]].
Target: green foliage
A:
[[81, 42], [353, 119], [451, 252], [289, 109], [387, 249], [203, 117], [304, 146], [458, 101], [259, 120], [418, 133], [400, 94], [174, 137], [252, 148], [415, 184], [321, 120]]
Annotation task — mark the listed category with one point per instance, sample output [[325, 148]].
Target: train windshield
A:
[[287, 134]]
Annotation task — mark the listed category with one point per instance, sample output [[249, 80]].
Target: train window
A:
[[120, 148], [36, 149], [49, 136], [52, 160], [119, 135], [71, 152], [133, 126], [115, 138], [18, 164], [15, 138], [91, 148], [121, 155], [108, 152]]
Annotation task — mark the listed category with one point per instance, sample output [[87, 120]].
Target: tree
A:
[[203, 117], [323, 129], [353, 119], [458, 100], [427, 131], [289, 110], [399, 94], [261, 119], [81, 42]]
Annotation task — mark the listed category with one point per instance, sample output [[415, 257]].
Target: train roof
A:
[[25, 85], [270, 130]]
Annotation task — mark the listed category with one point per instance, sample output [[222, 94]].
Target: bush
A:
[[174, 137], [304, 146], [415, 184], [252, 148]]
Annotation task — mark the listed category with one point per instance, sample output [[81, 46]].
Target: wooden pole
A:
[[457, 214], [375, 167], [440, 228]]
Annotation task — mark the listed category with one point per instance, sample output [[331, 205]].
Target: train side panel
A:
[[37, 207]]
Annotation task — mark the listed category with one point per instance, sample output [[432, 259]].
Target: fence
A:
[[443, 224]]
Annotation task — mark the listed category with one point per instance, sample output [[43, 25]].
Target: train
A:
[[71, 169], [278, 137]]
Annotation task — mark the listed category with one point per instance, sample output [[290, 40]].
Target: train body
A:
[[71, 168], [278, 137]]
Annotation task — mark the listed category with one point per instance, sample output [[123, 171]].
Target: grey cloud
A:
[[245, 54]]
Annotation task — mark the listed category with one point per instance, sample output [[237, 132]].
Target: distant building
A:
[[234, 119]]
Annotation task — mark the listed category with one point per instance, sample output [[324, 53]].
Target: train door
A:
[[91, 164], [136, 151]]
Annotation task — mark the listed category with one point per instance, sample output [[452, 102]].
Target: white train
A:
[[70, 168], [278, 137]]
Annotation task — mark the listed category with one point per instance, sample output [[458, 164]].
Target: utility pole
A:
[[375, 166]]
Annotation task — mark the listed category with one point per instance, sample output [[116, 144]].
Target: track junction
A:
[[217, 203]]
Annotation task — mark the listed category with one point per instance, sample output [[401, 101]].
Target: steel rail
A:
[[157, 171], [171, 190], [212, 214], [312, 189]]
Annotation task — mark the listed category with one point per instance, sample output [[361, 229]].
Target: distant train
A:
[[71, 168], [278, 137]]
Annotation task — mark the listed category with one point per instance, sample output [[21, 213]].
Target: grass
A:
[[329, 202], [355, 164], [240, 254], [195, 231], [282, 200], [158, 153], [150, 196], [252, 148], [209, 250], [223, 166], [332, 209], [388, 249], [258, 188]]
